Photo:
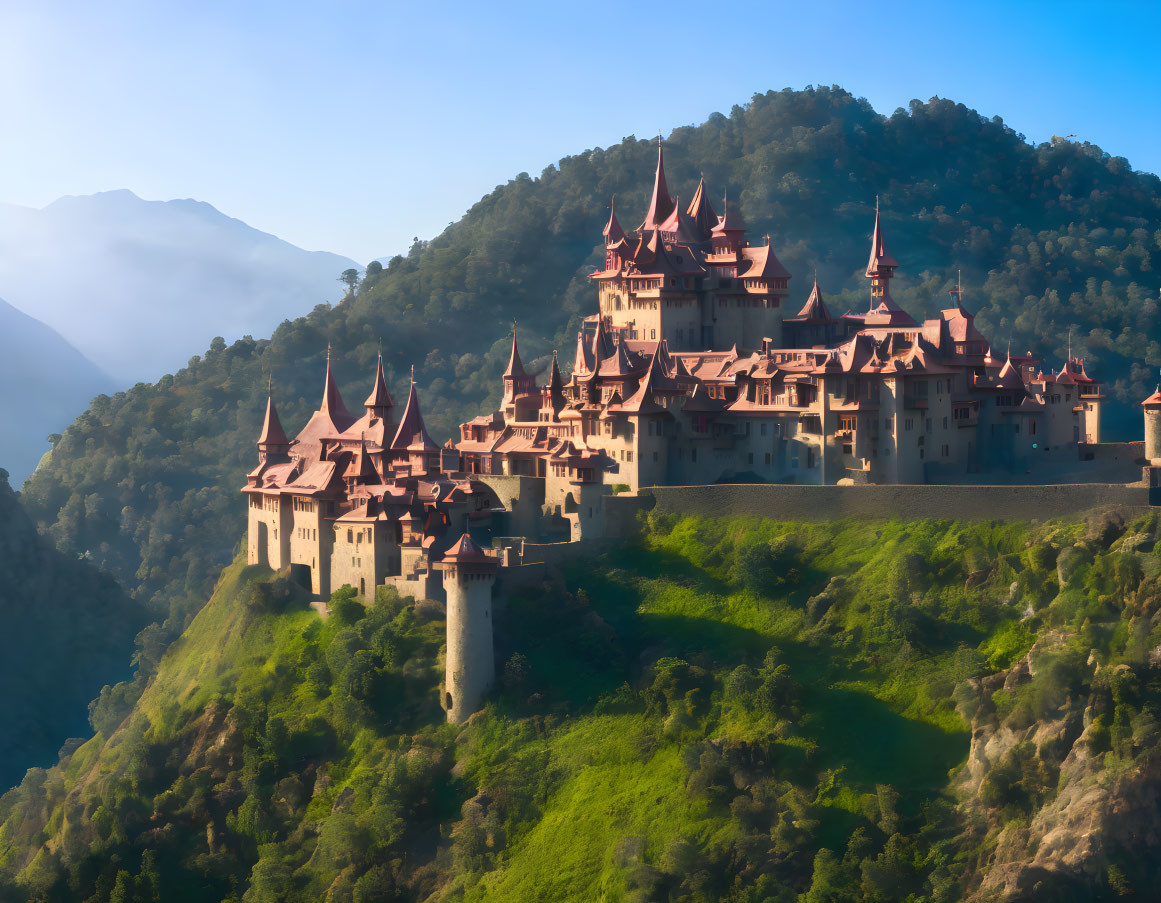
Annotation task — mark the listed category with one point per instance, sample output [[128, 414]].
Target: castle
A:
[[689, 374], [692, 374]]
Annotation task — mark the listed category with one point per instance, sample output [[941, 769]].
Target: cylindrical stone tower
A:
[[1152, 406], [468, 574]]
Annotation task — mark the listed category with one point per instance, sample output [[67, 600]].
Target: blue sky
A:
[[352, 127]]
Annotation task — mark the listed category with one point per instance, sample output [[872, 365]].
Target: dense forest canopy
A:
[[737, 710], [66, 628], [1051, 239]]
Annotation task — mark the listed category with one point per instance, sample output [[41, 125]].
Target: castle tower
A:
[[517, 382], [468, 574], [881, 265], [1152, 406], [379, 403], [273, 446]]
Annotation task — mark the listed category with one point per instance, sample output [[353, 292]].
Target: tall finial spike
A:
[[269, 380], [413, 374]]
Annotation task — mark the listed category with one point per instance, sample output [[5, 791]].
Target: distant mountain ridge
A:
[[47, 384], [141, 286]]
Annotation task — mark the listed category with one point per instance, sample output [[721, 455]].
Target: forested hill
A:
[[1048, 237], [64, 628]]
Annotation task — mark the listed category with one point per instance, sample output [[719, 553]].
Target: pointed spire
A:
[[554, 378], [612, 232], [332, 403], [581, 360], [272, 435], [599, 345], [379, 398], [412, 434], [701, 212], [661, 204], [881, 263], [515, 367], [815, 307]]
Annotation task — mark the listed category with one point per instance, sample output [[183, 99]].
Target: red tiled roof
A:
[[764, 264], [1154, 400], [412, 434], [465, 551], [661, 204], [701, 212], [880, 256], [515, 367], [379, 397], [814, 310], [272, 433], [612, 232]]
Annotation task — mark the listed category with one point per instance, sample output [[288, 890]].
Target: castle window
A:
[[350, 536]]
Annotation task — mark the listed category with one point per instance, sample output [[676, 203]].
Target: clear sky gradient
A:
[[352, 127]]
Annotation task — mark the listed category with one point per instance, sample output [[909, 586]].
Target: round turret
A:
[[1152, 406], [470, 668]]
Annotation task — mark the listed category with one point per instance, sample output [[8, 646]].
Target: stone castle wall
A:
[[815, 503]]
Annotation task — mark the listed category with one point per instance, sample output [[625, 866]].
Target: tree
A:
[[351, 278]]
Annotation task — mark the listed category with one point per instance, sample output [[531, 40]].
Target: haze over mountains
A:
[[141, 286], [47, 383]]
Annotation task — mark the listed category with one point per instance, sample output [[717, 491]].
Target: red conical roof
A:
[[465, 551], [515, 367], [661, 204], [1154, 400], [272, 433], [613, 232], [332, 403], [702, 212], [412, 434], [815, 307], [379, 397], [880, 256]]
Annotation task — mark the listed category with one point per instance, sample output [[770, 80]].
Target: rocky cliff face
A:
[[1062, 786]]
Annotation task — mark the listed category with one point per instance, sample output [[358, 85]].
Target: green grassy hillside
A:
[[1049, 238], [737, 710]]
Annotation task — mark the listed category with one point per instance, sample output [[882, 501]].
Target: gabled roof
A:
[[379, 397], [272, 433], [661, 204], [701, 212], [888, 313], [679, 224], [764, 264], [1009, 377], [412, 434], [880, 257], [618, 364]]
